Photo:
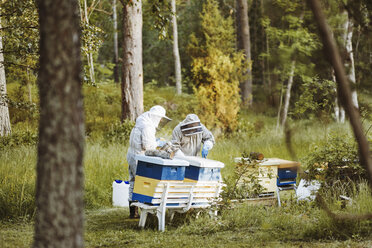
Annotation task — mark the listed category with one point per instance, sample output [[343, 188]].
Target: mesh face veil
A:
[[191, 128]]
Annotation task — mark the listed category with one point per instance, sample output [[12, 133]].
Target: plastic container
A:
[[120, 193]]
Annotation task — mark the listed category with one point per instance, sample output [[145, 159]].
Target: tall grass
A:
[[17, 182], [104, 164]]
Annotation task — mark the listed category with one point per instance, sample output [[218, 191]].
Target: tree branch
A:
[[343, 87], [342, 217]]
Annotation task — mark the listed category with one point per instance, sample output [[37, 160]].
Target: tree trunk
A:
[[59, 184], [116, 46], [349, 59], [88, 53], [29, 86], [245, 44], [132, 74], [4, 110], [343, 89], [280, 108], [339, 110], [176, 54], [288, 93]]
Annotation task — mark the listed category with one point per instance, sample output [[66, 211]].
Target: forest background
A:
[[290, 80]]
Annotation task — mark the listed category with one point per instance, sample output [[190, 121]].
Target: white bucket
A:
[[120, 193]]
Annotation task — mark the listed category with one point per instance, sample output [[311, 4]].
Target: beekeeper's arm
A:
[[207, 139], [176, 135], [148, 138]]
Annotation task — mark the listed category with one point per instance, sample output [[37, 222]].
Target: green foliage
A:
[[336, 159], [20, 33], [244, 183], [119, 132], [20, 109], [102, 108], [18, 138], [161, 15], [316, 97], [177, 106], [216, 69]]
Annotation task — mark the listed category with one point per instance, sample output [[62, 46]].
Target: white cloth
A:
[[191, 145], [142, 138], [307, 190]]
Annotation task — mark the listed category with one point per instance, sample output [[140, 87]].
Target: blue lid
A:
[[126, 182], [119, 181]]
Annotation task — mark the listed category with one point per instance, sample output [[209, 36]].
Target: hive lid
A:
[[202, 162], [281, 163], [161, 161]]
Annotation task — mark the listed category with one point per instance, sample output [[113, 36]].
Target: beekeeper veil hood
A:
[[191, 125], [158, 113]]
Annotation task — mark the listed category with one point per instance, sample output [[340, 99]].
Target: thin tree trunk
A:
[[339, 110], [132, 72], [343, 89], [349, 60], [288, 93], [5, 128], [88, 53], [176, 54], [280, 108], [59, 184], [246, 86], [116, 46], [29, 86]]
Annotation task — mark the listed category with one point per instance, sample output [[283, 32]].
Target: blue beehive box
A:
[[151, 171], [287, 176], [202, 169]]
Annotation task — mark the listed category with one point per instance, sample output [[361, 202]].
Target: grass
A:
[[293, 225], [244, 226]]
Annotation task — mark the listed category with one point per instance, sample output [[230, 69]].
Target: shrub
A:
[[335, 159], [216, 69], [19, 138], [119, 132]]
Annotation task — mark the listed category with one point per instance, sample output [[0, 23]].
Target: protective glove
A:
[[160, 142], [204, 152]]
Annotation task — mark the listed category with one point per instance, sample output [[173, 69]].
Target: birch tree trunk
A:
[[132, 72], [245, 44], [288, 92], [176, 54], [116, 46], [59, 184], [349, 59], [4, 110], [88, 53]]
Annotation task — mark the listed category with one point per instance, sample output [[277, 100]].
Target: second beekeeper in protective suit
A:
[[142, 138], [191, 135]]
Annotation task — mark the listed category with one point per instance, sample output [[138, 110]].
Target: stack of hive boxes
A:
[[151, 171], [202, 169], [273, 172]]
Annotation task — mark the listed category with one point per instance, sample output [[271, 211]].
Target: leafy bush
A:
[[317, 97], [119, 132], [19, 138], [335, 159]]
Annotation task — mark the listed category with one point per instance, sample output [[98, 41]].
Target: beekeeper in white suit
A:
[[142, 138], [192, 136]]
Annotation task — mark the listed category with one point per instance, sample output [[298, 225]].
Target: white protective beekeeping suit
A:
[[142, 138], [190, 134]]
